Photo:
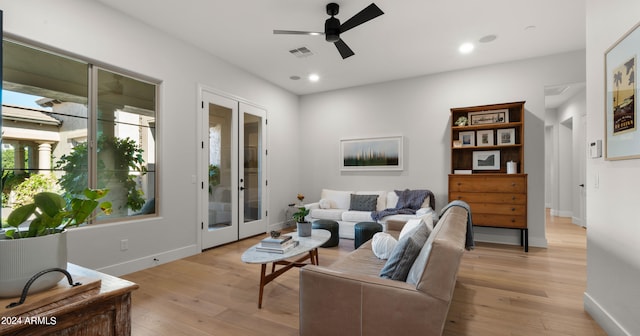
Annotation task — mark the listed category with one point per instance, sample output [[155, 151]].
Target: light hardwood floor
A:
[[500, 291]]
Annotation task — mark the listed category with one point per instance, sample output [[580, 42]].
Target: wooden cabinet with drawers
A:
[[497, 199]]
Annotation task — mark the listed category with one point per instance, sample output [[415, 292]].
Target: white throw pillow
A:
[[428, 219], [410, 225], [383, 244], [325, 203], [392, 200], [339, 199]]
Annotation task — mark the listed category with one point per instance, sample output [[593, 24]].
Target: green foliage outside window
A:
[[33, 185], [126, 156]]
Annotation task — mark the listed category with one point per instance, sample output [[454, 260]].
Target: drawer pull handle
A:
[[513, 209], [513, 198], [513, 184], [459, 197], [513, 220]]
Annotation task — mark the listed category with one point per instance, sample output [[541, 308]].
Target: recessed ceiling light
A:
[[532, 27], [314, 77], [294, 77], [488, 38], [466, 48]]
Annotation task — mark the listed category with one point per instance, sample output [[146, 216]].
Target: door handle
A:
[[241, 188], [581, 185]]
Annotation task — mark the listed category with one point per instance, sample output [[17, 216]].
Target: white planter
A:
[[20, 259]]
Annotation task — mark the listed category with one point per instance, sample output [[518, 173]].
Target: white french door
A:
[[232, 170]]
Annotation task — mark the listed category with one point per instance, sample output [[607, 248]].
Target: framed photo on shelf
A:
[[486, 160], [467, 139], [506, 136], [485, 138], [622, 140], [489, 117], [381, 153]]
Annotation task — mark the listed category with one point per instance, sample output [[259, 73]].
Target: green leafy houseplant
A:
[[25, 252], [304, 227], [53, 215], [300, 215]]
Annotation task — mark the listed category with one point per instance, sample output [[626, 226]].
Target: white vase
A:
[[21, 259], [304, 229]]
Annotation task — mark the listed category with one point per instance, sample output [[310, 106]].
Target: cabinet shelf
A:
[[475, 148], [486, 126]]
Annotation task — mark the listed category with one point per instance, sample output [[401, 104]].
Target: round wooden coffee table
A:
[[307, 249]]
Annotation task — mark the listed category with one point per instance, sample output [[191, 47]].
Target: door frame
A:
[[201, 176]]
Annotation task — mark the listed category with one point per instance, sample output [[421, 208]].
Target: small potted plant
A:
[[462, 121], [304, 227], [26, 250]]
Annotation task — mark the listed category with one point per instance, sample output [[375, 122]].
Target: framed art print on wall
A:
[[622, 140], [381, 153]]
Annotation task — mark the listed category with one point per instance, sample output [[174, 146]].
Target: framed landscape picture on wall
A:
[[382, 153], [622, 140]]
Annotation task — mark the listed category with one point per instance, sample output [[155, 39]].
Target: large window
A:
[[68, 125]]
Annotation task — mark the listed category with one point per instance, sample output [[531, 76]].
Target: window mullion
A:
[[92, 135]]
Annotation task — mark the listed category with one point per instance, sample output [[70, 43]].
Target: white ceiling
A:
[[412, 38]]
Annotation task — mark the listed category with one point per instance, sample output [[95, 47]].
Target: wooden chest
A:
[[496, 200]]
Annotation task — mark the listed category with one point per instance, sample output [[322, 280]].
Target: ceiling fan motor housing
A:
[[332, 29]]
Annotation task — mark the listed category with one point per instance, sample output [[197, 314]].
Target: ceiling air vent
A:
[[301, 52]]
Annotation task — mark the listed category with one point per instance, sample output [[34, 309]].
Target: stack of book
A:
[[280, 244]]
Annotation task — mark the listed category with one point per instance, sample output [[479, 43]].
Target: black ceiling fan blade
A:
[[369, 13], [343, 48], [296, 32]]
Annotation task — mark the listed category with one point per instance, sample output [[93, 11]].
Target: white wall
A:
[[418, 109], [612, 296], [566, 157], [93, 31]]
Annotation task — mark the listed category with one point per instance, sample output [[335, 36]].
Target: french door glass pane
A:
[[252, 167], [220, 156]]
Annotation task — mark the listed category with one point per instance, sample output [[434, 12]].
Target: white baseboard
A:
[[280, 226], [602, 317], [577, 221], [149, 261], [561, 213]]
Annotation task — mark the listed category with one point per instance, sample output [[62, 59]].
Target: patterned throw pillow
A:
[[363, 202]]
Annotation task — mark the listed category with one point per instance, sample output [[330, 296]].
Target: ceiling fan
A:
[[333, 28]]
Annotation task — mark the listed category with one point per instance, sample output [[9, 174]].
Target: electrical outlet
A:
[[124, 244]]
